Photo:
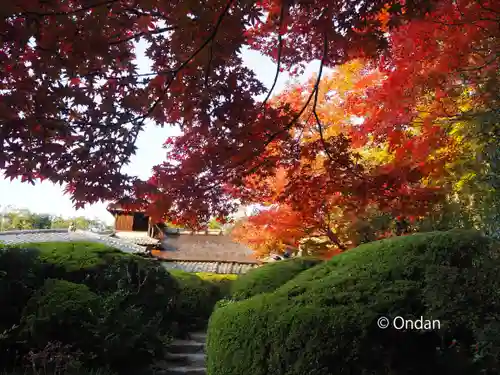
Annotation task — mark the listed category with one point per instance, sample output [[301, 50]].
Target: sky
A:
[[45, 197]]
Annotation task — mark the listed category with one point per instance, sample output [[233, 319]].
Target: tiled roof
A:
[[204, 248], [62, 235], [212, 267], [191, 253], [138, 238], [121, 204], [116, 207]]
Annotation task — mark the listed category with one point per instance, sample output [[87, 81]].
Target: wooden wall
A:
[[124, 222], [136, 222]]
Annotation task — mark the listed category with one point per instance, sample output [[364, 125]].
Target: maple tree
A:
[[312, 193], [408, 146], [267, 234], [444, 74], [72, 101]]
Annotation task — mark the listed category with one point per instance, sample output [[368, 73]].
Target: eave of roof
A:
[[212, 267], [117, 208], [214, 257]]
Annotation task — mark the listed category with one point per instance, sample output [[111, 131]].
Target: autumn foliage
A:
[[72, 103], [271, 231], [382, 134]]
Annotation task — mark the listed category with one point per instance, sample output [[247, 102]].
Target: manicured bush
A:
[[106, 270], [222, 281], [106, 331], [21, 274], [131, 323], [269, 277], [127, 336], [324, 321], [61, 311], [74, 256], [94, 263], [196, 300]]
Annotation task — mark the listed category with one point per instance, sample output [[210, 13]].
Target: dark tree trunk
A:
[[335, 239]]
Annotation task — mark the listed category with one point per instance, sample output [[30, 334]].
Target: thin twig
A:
[[280, 50], [138, 35], [488, 62], [143, 118], [316, 93], [187, 61], [297, 116], [209, 64], [488, 9]]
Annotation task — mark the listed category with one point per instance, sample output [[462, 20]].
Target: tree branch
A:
[[142, 118], [138, 35], [209, 64], [316, 89], [297, 116], [187, 61], [280, 50], [335, 239]]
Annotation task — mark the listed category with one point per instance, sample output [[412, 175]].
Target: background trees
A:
[[18, 219]]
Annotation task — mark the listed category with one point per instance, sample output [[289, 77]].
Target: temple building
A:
[[204, 251], [135, 226]]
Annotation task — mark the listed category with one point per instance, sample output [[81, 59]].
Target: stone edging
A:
[[32, 231]]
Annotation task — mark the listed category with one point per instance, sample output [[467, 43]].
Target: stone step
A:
[[183, 370], [186, 346], [186, 358], [198, 336]]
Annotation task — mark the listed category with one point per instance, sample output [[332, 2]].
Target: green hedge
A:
[[61, 311], [222, 281], [21, 274], [75, 256], [324, 321], [107, 270], [136, 312], [199, 292], [106, 331], [269, 277]]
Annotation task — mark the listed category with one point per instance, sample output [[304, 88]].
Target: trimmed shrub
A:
[[105, 270], [131, 322], [61, 311], [269, 277], [222, 281], [198, 295], [75, 256], [97, 265], [143, 283], [106, 331], [21, 274], [324, 321], [127, 337], [195, 301]]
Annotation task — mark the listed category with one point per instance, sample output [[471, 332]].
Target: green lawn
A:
[[75, 255]]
